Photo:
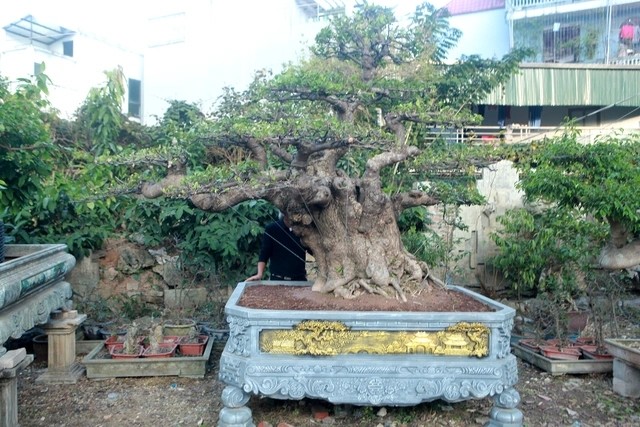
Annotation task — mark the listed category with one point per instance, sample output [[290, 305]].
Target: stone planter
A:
[[32, 286], [368, 358], [561, 367], [99, 365]]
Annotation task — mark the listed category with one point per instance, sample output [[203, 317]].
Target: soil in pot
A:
[[193, 346], [160, 351], [564, 353], [283, 297], [118, 352], [595, 352]]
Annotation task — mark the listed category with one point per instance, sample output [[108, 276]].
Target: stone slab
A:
[[622, 349], [69, 376], [12, 358], [560, 367], [12, 372]]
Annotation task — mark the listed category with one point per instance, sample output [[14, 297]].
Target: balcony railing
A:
[[518, 134], [522, 4], [519, 4]]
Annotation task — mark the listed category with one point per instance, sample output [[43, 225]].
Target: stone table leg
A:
[[61, 336], [235, 413], [504, 412], [10, 364]]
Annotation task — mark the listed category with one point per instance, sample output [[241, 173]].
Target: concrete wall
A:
[[473, 247]]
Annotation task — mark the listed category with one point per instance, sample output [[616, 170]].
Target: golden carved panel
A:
[[323, 338]]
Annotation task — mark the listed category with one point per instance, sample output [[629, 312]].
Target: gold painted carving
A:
[[323, 338]]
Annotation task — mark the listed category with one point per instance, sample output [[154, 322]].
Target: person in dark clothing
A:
[[283, 251]]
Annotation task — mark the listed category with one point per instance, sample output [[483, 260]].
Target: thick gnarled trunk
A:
[[354, 237]]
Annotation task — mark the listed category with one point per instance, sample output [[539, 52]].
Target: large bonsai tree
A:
[[340, 142]]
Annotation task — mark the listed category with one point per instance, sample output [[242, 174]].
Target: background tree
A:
[[340, 141], [598, 182]]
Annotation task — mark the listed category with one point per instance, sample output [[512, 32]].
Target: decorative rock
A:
[[382, 412], [133, 260]]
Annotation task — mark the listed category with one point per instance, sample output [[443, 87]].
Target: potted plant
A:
[[604, 295], [538, 310], [193, 343], [158, 345], [131, 348], [560, 289]]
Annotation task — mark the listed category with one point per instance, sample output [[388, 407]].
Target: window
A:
[[67, 48], [585, 116], [321, 9], [37, 68], [135, 97], [561, 44]]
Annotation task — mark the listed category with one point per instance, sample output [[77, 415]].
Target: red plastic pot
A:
[[193, 348]]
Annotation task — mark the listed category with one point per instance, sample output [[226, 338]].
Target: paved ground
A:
[[569, 400]]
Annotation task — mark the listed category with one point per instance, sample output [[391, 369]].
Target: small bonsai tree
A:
[[131, 341]]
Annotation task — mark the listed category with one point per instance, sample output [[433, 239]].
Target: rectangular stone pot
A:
[[626, 366], [32, 286], [627, 350], [425, 356], [561, 367], [100, 367]]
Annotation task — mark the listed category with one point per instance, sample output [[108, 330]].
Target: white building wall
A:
[[197, 48], [71, 77], [484, 33]]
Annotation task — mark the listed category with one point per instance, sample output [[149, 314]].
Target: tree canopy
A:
[[342, 143]]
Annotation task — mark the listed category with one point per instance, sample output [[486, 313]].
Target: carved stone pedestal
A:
[[61, 336], [235, 413], [368, 358], [505, 412], [10, 364]]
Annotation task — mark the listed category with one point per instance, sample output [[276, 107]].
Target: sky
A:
[[119, 20]]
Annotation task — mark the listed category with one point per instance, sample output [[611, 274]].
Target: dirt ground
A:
[[568, 400]]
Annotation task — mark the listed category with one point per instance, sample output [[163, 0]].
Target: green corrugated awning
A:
[[565, 85]]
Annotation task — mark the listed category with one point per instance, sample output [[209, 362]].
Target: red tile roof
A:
[[459, 7]]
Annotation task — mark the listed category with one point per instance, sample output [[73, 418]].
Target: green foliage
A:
[[419, 240], [428, 35], [539, 251], [222, 244], [182, 113], [100, 115], [600, 179], [51, 186], [26, 151], [585, 189]]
